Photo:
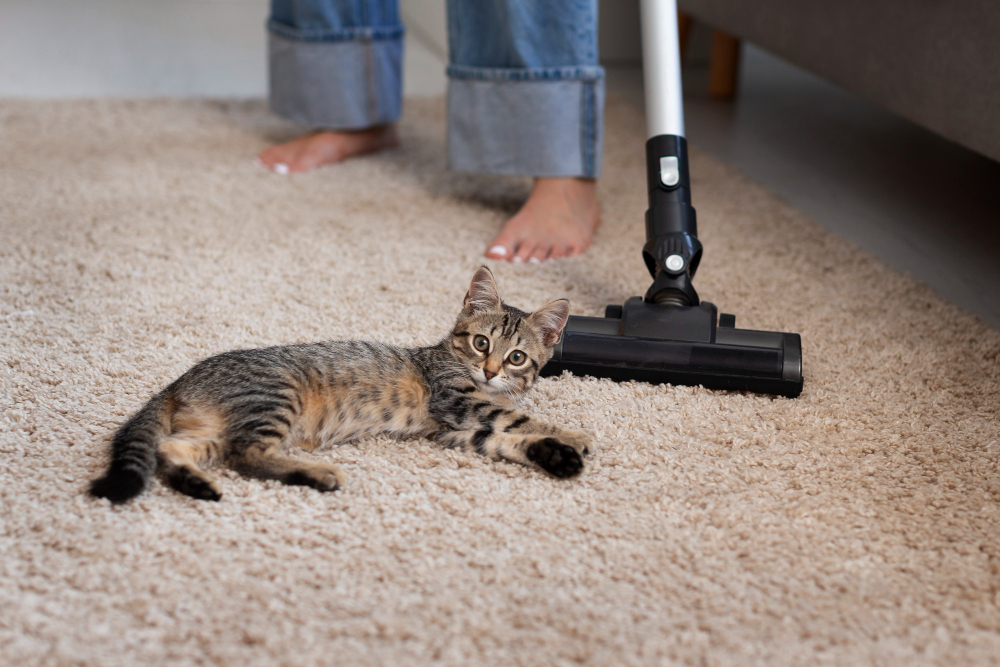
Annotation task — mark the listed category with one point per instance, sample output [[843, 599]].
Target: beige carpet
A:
[[858, 524]]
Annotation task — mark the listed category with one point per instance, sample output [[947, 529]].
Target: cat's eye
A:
[[516, 358], [481, 343]]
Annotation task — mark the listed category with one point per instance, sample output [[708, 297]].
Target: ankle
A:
[[571, 188]]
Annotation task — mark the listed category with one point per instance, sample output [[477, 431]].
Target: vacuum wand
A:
[[670, 335], [672, 249]]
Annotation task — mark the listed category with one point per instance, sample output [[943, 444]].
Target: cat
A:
[[244, 407]]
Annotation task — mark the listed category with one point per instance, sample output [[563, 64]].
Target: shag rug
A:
[[857, 524]]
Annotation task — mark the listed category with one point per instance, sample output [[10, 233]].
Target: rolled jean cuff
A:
[[533, 122], [346, 79]]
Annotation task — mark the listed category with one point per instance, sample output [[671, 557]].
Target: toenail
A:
[[281, 168], [498, 250], [535, 260], [518, 260]]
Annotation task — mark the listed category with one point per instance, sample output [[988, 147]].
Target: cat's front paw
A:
[[578, 440], [555, 457]]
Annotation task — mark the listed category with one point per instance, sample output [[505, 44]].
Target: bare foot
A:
[[326, 147], [558, 220]]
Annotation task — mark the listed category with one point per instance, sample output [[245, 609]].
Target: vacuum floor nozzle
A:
[[689, 345], [671, 335]]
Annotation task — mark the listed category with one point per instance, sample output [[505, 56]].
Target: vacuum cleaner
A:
[[670, 335]]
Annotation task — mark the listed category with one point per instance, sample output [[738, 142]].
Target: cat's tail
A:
[[134, 453]]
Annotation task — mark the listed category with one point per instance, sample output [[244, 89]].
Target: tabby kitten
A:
[[243, 407]]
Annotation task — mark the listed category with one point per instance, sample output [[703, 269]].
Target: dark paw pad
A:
[[192, 485], [556, 458], [320, 482]]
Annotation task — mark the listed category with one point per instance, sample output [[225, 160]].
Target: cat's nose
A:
[[489, 374]]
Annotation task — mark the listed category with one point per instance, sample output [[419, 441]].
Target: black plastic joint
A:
[[660, 252], [667, 145], [672, 289]]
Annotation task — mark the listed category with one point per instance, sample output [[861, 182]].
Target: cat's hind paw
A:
[[193, 484], [320, 478], [556, 458]]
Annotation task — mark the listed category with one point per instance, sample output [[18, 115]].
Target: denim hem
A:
[[336, 84], [526, 74], [335, 35], [528, 126]]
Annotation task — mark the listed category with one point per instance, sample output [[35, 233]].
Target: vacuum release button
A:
[[670, 171]]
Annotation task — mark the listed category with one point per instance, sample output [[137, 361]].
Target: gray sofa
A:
[[935, 62]]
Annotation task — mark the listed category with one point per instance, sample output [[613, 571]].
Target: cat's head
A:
[[502, 346]]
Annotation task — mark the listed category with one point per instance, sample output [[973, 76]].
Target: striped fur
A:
[[244, 407]]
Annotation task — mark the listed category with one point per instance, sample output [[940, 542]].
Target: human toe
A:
[[557, 252], [539, 254], [497, 251], [271, 157], [523, 253]]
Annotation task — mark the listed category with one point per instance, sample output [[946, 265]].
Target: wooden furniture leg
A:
[[684, 24], [724, 66]]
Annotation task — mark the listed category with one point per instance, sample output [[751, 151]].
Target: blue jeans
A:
[[525, 91]]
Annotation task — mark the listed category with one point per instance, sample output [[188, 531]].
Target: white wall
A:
[[136, 48]]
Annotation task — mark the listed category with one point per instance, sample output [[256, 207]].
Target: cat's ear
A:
[[482, 294], [550, 320]]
